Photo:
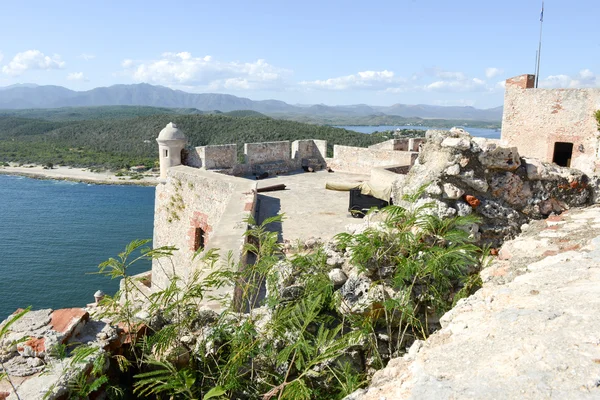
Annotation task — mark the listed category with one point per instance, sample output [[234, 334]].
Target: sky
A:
[[437, 52]]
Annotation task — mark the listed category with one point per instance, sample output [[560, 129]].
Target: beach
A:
[[77, 175]]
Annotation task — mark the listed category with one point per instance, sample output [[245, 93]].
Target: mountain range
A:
[[26, 96]]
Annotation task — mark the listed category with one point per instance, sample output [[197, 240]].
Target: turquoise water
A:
[[479, 132], [53, 235]]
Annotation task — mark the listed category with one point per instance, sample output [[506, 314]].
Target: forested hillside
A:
[[119, 143], [101, 112]]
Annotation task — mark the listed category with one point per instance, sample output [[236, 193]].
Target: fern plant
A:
[[424, 259]]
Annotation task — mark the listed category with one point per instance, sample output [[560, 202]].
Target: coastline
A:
[[72, 174]]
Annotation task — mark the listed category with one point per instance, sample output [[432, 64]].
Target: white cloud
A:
[[367, 80], [493, 72], [32, 59], [1, 56], [458, 85], [87, 56], [584, 79], [77, 76], [183, 69]]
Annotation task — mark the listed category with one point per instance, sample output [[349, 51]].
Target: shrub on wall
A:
[[598, 118]]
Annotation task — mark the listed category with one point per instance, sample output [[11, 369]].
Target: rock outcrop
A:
[[36, 351], [476, 175], [531, 332]]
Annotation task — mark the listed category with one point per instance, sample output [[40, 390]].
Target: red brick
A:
[[64, 319]]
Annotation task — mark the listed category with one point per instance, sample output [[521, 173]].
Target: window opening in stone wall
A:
[[198, 238], [166, 153], [563, 151]]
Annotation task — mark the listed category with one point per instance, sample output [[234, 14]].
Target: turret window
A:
[[166, 153]]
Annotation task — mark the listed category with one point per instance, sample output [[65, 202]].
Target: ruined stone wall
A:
[[361, 160], [192, 198], [465, 175], [535, 119]]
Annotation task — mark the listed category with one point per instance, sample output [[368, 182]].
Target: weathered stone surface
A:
[[500, 158], [534, 120], [458, 143], [452, 192], [500, 191], [529, 333], [453, 170], [511, 188], [463, 208], [337, 276], [355, 294], [37, 333], [478, 184]]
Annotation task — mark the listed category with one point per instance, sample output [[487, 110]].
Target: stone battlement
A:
[[275, 158]]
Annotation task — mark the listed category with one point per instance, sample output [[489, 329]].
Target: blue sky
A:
[[333, 52]]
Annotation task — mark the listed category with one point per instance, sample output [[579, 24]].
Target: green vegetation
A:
[[244, 113], [306, 345], [121, 143], [598, 118]]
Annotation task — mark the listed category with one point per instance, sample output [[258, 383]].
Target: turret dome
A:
[[171, 132]]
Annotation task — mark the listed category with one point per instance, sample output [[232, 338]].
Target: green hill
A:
[[119, 143], [90, 113]]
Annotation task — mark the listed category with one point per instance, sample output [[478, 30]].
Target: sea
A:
[[479, 132], [53, 235]]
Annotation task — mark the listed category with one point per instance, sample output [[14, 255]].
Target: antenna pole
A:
[[539, 52]]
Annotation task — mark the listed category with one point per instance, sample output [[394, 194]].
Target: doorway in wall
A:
[[563, 151], [198, 238]]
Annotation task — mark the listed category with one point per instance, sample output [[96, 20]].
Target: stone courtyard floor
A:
[[531, 332], [310, 209]]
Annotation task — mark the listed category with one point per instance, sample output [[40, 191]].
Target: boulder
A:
[[457, 143], [504, 158], [337, 277], [452, 192]]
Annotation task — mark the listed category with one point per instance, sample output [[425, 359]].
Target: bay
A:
[[53, 235], [479, 132]]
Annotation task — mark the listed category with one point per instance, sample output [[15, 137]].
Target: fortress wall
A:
[[309, 148], [392, 145], [258, 153], [212, 157], [192, 202], [361, 160], [535, 119], [414, 143]]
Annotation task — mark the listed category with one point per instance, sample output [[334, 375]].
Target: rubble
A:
[[36, 350], [502, 188]]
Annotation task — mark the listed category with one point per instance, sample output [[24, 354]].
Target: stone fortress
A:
[[531, 332], [205, 195]]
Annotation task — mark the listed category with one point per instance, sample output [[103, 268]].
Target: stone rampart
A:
[[197, 208], [268, 157], [402, 144], [259, 153], [535, 120], [212, 157], [361, 160]]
